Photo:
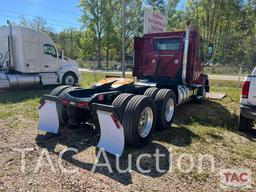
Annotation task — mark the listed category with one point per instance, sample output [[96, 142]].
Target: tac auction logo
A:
[[235, 178]]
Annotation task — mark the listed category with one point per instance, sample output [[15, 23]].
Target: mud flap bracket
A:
[[111, 130]]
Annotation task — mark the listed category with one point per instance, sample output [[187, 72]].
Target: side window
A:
[[50, 50]]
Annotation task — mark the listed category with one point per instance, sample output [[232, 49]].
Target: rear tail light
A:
[[245, 89], [101, 97], [64, 101], [115, 120], [82, 104]]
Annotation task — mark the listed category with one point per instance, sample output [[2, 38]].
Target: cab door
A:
[[50, 58]]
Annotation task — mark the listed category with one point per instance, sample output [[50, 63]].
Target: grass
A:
[[226, 70], [4, 114], [17, 103], [19, 107]]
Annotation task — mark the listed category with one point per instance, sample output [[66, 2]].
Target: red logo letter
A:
[[243, 177], [227, 175]]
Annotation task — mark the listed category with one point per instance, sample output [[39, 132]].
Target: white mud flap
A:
[[48, 117], [112, 133]]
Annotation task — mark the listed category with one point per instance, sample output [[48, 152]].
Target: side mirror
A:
[[61, 54], [210, 51]]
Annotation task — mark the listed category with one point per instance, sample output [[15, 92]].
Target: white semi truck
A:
[[29, 57]]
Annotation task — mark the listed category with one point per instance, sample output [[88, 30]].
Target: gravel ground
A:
[[223, 145]]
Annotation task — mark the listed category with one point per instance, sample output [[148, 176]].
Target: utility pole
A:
[[123, 36]]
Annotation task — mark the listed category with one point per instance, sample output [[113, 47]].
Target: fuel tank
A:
[[18, 80]]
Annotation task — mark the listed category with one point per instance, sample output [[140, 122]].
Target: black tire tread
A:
[[199, 93], [58, 90], [151, 92], [63, 116], [120, 103], [128, 121], [65, 91], [160, 98]]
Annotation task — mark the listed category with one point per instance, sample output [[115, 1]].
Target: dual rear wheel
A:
[[139, 114], [165, 101], [138, 117], [59, 92]]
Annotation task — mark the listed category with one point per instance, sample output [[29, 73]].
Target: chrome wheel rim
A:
[[169, 109], [145, 122], [70, 80]]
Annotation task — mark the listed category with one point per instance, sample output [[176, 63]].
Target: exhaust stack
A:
[[10, 49], [185, 53]]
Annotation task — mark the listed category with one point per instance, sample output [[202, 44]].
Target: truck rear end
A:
[[102, 107], [127, 112], [161, 57]]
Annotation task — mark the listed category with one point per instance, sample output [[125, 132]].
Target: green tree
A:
[[134, 24], [159, 5], [94, 12], [109, 34], [69, 41], [38, 23], [88, 48]]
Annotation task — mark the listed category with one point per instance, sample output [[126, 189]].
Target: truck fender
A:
[[68, 68]]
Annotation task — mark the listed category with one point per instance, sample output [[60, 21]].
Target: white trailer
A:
[[29, 57]]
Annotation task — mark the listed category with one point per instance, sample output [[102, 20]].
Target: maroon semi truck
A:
[[160, 57], [167, 72]]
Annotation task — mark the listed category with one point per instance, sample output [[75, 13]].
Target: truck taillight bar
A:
[[82, 104], [245, 89], [64, 101], [115, 120]]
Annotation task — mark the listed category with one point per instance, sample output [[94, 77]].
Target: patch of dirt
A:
[[173, 142]]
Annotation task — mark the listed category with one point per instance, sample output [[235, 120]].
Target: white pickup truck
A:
[[248, 103], [29, 57]]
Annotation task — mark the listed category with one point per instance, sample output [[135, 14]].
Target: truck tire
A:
[[63, 116], [207, 86], [58, 90], [69, 78], [166, 106], [65, 91], [151, 92], [139, 121], [120, 103], [201, 92], [244, 124]]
